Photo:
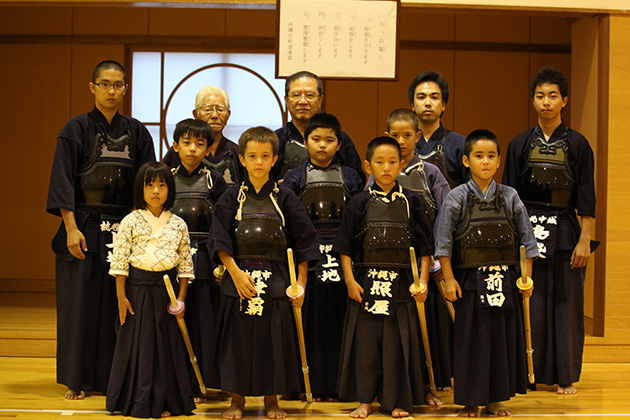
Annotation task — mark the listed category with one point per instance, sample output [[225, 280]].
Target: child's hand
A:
[[438, 276], [527, 293], [419, 297], [297, 302], [355, 291], [123, 306], [244, 284], [452, 290]]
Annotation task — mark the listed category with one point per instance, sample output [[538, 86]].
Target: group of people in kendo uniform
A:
[[217, 217]]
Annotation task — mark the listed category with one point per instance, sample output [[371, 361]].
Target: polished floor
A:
[[28, 391]]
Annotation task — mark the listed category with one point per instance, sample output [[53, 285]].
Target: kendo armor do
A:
[[226, 168], [415, 179], [295, 154], [259, 232], [386, 235], [193, 202], [487, 236], [325, 195], [547, 179], [438, 158], [107, 177]]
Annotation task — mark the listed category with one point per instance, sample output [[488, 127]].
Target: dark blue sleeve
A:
[[349, 156], [219, 186], [514, 159], [454, 153], [303, 234], [351, 220], [222, 221], [295, 179], [171, 159], [353, 180]]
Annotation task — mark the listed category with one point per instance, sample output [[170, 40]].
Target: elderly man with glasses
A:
[[213, 106], [304, 94]]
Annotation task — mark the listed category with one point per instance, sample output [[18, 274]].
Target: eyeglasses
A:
[[108, 86], [309, 96], [211, 109]]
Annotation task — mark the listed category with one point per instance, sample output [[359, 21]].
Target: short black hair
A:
[[477, 135], [402, 114], [323, 120], [550, 76], [107, 65], [194, 128], [147, 173], [259, 134], [299, 75], [429, 76], [381, 141]]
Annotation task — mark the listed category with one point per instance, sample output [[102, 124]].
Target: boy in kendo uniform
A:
[[197, 189], [324, 186], [480, 228], [381, 354], [552, 168], [255, 349], [91, 188], [425, 179]]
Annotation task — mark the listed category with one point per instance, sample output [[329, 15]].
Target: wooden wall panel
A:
[[35, 20], [417, 25], [84, 58], [492, 28], [186, 22], [584, 99], [109, 21], [251, 23], [550, 30], [353, 103], [35, 80], [618, 228], [489, 85]]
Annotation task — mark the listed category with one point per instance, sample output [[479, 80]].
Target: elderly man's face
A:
[[213, 111], [303, 100]]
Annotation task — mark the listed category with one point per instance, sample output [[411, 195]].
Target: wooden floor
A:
[[28, 391]]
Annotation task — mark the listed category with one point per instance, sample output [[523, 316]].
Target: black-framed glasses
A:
[[108, 86]]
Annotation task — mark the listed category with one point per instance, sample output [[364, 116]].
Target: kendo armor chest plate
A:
[[547, 179], [295, 154], [226, 168], [107, 177], [193, 202], [386, 236], [438, 158], [260, 234], [325, 195], [415, 179], [487, 237]]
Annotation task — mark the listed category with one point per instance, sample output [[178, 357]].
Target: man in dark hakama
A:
[[91, 182], [552, 168]]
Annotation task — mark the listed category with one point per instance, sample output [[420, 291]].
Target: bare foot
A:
[[272, 408], [362, 411], [332, 398], [236, 408], [564, 390], [498, 409], [444, 388], [165, 414], [318, 398], [468, 411], [200, 400], [433, 401], [399, 412], [71, 394]]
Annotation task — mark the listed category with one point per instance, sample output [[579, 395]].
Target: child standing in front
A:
[[324, 186], [481, 226], [255, 349], [197, 189], [149, 376], [380, 354]]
